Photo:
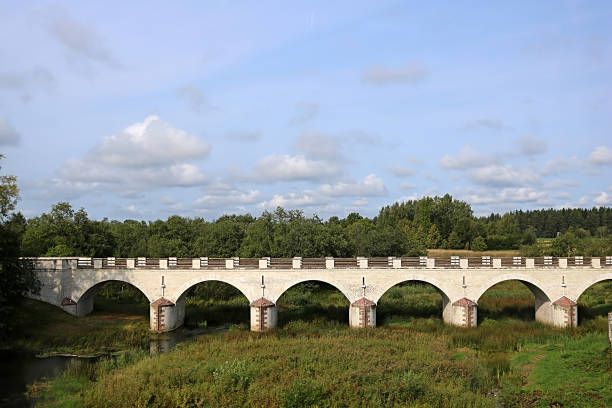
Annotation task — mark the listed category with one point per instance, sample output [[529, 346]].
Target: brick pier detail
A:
[[263, 315], [362, 313]]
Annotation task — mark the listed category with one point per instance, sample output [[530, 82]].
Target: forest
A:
[[402, 229]]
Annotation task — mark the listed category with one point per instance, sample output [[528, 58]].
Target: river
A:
[[18, 370]]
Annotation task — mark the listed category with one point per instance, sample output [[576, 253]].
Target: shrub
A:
[[302, 393]]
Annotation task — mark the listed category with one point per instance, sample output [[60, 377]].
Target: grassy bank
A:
[[43, 328], [422, 364]]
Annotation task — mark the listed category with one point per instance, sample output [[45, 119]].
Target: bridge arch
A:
[[386, 308], [542, 300], [381, 290], [93, 288], [191, 283], [532, 284], [599, 278], [274, 298], [85, 299]]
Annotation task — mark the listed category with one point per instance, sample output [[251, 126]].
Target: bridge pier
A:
[[462, 313], [166, 316], [264, 315], [564, 312], [362, 313]]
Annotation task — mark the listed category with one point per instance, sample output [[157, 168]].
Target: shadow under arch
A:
[[214, 302], [513, 300], [412, 298], [595, 299], [312, 299], [86, 302], [190, 284], [600, 278]]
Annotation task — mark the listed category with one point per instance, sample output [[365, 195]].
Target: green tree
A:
[[479, 244], [432, 241], [17, 275]]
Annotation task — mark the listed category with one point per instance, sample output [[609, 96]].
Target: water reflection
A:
[[19, 370], [165, 342]]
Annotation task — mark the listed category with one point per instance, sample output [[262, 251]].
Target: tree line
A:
[[401, 229]]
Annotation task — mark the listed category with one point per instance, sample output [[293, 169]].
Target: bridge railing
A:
[[391, 262]]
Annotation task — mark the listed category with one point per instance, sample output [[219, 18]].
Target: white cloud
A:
[[371, 185], [562, 195], [149, 143], [407, 186], [506, 195], [581, 203], [603, 198], [233, 197], [282, 167], [145, 155], [504, 176], [319, 145], [410, 73], [521, 195], [8, 135], [601, 155], [292, 200], [558, 166], [360, 202], [532, 145], [167, 200], [401, 171], [466, 159]]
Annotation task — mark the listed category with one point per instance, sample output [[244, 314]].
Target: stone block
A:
[[195, 263], [562, 262], [363, 263], [163, 264], [529, 263], [263, 264], [296, 263], [397, 263], [463, 263], [496, 263]]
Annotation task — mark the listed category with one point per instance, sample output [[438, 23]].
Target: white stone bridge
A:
[[556, 283]]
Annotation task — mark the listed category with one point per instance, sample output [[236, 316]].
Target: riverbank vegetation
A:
[[327, 365]]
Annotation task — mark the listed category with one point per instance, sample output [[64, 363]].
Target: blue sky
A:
[[151, 109]]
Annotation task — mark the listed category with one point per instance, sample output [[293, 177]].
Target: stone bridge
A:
[[556, 283]]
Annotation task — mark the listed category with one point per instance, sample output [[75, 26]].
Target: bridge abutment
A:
[[362, 313], [166, 316], [264, 315]]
